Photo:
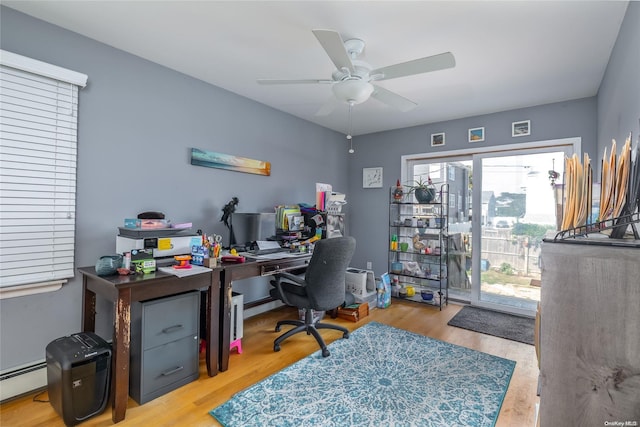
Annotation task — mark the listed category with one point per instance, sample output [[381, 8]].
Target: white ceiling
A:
[[509, 54]]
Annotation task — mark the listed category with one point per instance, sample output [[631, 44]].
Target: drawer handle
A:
[[172, 371], [172, 329]]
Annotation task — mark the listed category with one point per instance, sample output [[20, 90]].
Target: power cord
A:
[[36, 398]]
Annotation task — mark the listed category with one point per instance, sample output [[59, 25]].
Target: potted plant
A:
[[424, 191]]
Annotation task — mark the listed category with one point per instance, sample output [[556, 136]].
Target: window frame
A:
[[37, 136]]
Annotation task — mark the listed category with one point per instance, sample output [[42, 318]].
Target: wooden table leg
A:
[[121, 347], [225, 320], [88, 307], [213, 332]]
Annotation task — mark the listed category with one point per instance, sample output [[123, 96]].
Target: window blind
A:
[[38, 146]]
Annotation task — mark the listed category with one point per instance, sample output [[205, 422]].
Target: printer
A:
[[163, 243]]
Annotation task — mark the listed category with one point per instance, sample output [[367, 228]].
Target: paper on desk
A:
[[321, 190], [275, 255], [184, 272]]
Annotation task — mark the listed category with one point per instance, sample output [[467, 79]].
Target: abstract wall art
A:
[[211, 159]]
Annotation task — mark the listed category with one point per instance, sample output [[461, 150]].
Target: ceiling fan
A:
[[352, 80]]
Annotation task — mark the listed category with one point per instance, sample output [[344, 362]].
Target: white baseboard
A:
[[22, 380], [262, 308], [32, 377]]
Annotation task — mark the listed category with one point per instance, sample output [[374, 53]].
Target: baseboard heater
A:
[[23, 380]]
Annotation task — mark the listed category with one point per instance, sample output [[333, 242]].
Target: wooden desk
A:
[[124, 290], [229, 272]]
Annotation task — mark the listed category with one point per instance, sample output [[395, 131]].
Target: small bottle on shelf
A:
[[398, 192], [394, 243]]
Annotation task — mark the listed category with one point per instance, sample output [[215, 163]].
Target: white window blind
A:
[[38, 145]]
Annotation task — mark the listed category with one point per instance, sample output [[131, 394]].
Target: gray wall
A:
[[137, 123], [619, 94], [369, 207]]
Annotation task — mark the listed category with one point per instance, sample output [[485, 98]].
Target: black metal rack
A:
[[402, 210], [600, 226]]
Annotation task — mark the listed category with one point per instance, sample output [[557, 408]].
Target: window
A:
[[38, 143], [492, 188]]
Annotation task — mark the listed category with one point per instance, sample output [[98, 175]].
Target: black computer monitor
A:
[[246, 228]]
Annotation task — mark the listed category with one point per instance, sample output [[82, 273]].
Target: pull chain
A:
[[349, 136]]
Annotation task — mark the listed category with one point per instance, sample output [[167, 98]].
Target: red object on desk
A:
[[233, 258], [183, 261]]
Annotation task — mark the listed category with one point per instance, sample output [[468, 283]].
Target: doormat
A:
[[380, 376], [503, 325]]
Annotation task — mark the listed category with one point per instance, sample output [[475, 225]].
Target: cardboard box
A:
[[141, 254], [144, 266], [132, 223], [211, 262], [354, 312], [142, 261], [351, 316], [198, 254], [146, 224]]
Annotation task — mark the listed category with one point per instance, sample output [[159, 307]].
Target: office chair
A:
[[321, 289]]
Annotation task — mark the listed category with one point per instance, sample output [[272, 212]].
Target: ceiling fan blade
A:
[[334, 46], [292, 82], [328, 107], [417, 66], [393, 99]]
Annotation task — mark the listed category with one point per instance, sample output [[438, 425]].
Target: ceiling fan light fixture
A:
[[352, 78], [353, 91]]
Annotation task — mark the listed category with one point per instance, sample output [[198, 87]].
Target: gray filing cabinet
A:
[[164, 345]]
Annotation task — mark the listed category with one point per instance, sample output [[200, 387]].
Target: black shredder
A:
[[78, 376]]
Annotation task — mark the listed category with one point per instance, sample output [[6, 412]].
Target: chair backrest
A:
[[325, 275]]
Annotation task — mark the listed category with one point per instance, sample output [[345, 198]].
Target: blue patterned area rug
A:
[[380, 376]]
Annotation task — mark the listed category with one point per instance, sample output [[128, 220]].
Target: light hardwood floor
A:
[[189, 405]]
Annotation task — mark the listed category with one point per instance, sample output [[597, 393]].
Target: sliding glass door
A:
[[457, 174], [518, 209], [501, 204]]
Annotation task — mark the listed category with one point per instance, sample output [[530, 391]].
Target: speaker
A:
[[78, 376]]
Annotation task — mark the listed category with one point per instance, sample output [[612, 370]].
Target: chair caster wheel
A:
[[325, 353], [345, 335], [276, 347]]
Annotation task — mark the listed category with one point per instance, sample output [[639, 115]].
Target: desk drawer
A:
[[169, 319], [164, 345], [165, 368], [283, 265]]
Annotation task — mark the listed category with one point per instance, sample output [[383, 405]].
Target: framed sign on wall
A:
[[522, 128], [372, 177]]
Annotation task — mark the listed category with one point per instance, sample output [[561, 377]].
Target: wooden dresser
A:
[[590, 335]]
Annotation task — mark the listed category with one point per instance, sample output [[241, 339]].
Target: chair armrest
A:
[[291, 277]]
